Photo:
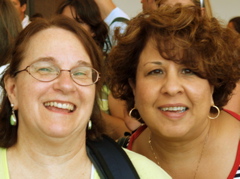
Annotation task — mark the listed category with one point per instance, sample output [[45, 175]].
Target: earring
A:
[[13, 118], [89, 125], [130, 113], [218, 112]]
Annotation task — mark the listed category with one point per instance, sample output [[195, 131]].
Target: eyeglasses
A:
[[46, 71]]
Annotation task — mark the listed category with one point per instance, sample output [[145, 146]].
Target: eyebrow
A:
[[153, 62], [52, 59]]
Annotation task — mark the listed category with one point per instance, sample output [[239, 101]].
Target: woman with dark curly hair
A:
[[177, 70]]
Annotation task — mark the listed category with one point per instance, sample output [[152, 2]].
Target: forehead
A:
[[62, 45], [162, 50], [15, 1], [184, 2]]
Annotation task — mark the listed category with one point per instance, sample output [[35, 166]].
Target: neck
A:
[[32, 159], [41, 148], [22, 17], [171, 155]]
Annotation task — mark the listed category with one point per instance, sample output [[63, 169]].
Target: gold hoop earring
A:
[[218, 112], [13, 118], [89, 125], [130, 113]]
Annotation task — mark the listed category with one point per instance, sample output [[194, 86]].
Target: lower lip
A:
[[54, 109], [173, 115]]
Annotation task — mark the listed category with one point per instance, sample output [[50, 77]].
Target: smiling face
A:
[[170, 98], [58, 108]]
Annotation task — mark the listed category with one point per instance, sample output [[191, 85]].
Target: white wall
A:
[[131, 7], [225, 9], [222, 9]]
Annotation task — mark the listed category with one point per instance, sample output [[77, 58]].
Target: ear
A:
[[132, 85], [24, 8], [10, 87]]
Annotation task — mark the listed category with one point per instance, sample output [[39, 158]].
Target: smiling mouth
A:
[[178, 109], [65, 106]]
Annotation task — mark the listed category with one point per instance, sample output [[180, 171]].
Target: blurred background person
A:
[[21, 7], [234, 24], [154, 4], [10, 26], [205, 5], [114, 17], [88, 15], [36, 16], [182, 71], [234, 103]]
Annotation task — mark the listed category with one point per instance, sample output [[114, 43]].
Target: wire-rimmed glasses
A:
[[46, 71]]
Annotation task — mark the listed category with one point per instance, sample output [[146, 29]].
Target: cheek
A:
[[27, 91], [200, 93], [145, 92]]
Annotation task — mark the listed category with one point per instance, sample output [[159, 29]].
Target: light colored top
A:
[[116, 13], [25, 21], [145, 167]]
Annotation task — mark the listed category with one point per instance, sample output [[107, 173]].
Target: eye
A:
[[45, 70], [187, 71], [155, 72], [81, 72]]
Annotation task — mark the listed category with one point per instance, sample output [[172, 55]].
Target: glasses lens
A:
[[43, 71], [84, 75]]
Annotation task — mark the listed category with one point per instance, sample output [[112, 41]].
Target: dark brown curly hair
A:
[[208, 49]]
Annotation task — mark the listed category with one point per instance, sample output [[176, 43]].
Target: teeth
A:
[[67, 106], [180, 109]]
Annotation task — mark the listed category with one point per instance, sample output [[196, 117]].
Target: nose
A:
[[64, 82], [172, 85]]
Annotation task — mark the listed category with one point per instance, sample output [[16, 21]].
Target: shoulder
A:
[[145, 167], [3, 164], [233, 119]]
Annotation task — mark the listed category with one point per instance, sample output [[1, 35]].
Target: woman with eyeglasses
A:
[[49, 110]]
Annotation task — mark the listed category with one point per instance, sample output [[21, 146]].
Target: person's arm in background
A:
[[113, 16], [115, 127], [118, 109], [106, 7]]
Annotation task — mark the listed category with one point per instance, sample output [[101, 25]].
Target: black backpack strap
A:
[[123, 141], [110, 160]]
